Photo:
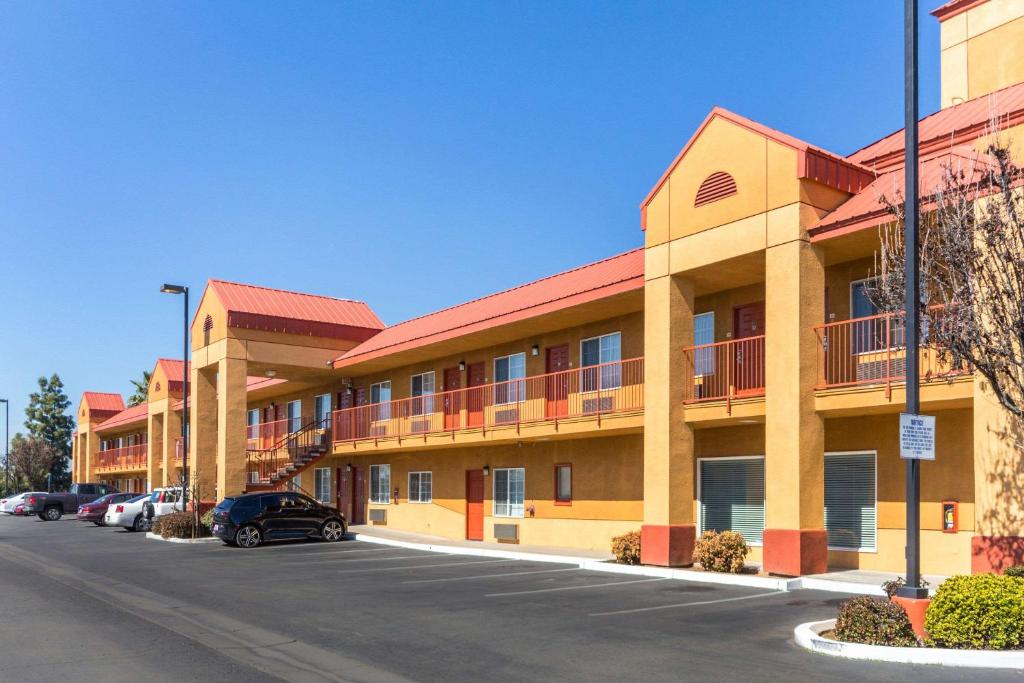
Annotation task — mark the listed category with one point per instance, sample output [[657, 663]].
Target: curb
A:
[[475, 552], [806, 636], [157, 537]]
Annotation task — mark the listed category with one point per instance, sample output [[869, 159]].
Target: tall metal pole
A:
[[184, 412], [7, 446], [912, 299]]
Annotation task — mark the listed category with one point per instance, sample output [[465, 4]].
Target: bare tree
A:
[[31, 460]]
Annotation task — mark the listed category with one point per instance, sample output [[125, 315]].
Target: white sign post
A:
[[917, 437]]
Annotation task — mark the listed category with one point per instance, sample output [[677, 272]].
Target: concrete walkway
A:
[[840, 581]]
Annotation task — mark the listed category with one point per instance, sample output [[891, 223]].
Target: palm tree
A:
[[141, 392]]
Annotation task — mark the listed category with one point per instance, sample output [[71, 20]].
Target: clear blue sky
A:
[[410, 155]]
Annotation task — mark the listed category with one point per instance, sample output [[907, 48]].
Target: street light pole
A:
[[182, 289], [7, 446], [912, 299]]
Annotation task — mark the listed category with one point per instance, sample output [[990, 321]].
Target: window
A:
[[294, 416], [423, 386], [380, 483], [420, 487], [704, 333], [508, 491], [563, 484], [322, 409], [323, 484], [870, 335], [506, 370], [380, 393], [732, 496], [295, 483], [252, 422], [850, 506], [599, 351]]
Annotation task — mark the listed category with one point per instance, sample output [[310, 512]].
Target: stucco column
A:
[[155, 450], [231, 442], [170, 424], [202, 444], [92, 446], [795, 541], [998, 542], [668, 532]]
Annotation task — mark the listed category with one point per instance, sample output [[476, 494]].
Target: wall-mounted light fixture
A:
[[487, 470], [535, 350], [462, 366], [348, 467], [271, 373]]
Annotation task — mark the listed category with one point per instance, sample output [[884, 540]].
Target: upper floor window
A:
[[322, 408], [294, 416], [380, 397], [252, 422], [718, 185], [703, 334], [422, 389], [507, 369], [605, 352]]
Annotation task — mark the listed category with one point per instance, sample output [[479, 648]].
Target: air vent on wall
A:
[[718, 185]]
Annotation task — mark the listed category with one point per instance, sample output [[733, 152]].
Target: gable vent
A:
[[718, 185]]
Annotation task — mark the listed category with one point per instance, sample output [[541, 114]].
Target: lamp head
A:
[[173, 289]]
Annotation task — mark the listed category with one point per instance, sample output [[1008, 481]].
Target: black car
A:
[[249, 520]]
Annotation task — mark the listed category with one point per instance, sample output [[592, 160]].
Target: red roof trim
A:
[[126, 417], [955, 7], [308, 328]]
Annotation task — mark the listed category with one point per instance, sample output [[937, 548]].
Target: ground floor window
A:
[[509, 489], [563, 484], [323, 484], [420, 487], [380, 483], [851, 511], [732, 496]]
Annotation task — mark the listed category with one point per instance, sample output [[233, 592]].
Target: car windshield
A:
[[136, 499], [226, 504], [154, 497], [105, 499]]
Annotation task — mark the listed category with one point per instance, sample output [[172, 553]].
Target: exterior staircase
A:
[[273, 468]]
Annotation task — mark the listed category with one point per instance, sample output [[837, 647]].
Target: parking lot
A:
[[106, 602]]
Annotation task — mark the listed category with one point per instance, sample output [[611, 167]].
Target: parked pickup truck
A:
[[50, 507]]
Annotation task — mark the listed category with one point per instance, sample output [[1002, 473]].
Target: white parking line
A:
[[573, 588], [330, 553], [685, 604], [494, 576], [415, 566]]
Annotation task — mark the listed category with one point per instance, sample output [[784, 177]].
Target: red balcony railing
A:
[[724, 371], [259, 437], [872, 351], [125, 458], [590, 392]]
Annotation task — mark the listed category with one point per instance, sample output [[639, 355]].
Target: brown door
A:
[[556, 386], [267, 428], [358, 496], [343, 423], [343, 485], [474, 505], [452, 397], [748, 357], [280, 425], [475, 399]]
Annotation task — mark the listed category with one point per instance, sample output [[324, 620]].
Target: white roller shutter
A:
[[851, 516], [732, 496]]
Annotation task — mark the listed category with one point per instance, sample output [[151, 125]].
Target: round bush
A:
[[871, 621], [721, 552], [626, 548], [175, 525], [983, 612], [1017, 571]]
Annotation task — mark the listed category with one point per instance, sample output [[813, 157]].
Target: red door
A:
[[556, 386], [748, 360], [475, 399], [452, 397], [358, 496], [343, 485], [474, 505]]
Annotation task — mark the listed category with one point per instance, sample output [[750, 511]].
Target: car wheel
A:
[[41, 516], [139, 524], [98, 523], [53, 514], [332, 531], [248, 536]]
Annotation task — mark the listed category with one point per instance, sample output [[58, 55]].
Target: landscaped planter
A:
[[809, 636], [202, 539]]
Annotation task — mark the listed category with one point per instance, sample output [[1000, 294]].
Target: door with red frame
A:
[[556, 384], [452, 397], [358, 496], [343, 485], [748, 357], [360, 417], [475, 399], [474, 505]]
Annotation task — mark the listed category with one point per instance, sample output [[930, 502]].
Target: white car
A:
[[7, 505], [128, 514], [164, 501]]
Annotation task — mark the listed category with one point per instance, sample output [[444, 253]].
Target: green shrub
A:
[[1017, 571], [721, 551], [626, 548], [983, 611], [893, 586], [175, 525], [871, 621], [207, 520]]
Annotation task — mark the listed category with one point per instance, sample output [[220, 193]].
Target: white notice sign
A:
[[917, 437]]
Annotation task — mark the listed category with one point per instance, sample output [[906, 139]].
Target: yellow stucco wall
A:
[[982, 50]]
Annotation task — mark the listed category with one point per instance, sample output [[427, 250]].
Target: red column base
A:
[[996, 553], [915, 609], [667, 545], [795, 552]]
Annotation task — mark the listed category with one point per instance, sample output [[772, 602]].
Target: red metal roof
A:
[[956, 125], [813, 163], [594, 281], [277, 310], [103, 402], [955, 7], [172, 368], [125, 418]]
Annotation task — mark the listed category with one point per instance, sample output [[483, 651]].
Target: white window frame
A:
[[374, 495], [427, 404], [494, 495], [252, 421], [292, 421], [600, 373], [700, 519], [319, 472], [708, 354], [319, 401], [382, 411], [516, 395], [866, 451], [419, 499]]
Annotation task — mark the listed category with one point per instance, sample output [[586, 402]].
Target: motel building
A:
[[731, 373]]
